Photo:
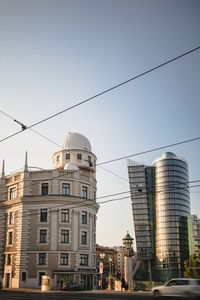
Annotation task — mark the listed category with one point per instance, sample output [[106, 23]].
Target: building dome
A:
[[166, 155], [76, 141]]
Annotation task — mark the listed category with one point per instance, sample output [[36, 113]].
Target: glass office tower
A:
[[172, 204], [164, 189], [141, 187]]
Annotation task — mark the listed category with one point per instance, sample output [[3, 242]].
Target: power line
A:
[[120, 158], [133, 192], [50, 140], [113, 160], [24, 127], [148, 151], [80, 204]]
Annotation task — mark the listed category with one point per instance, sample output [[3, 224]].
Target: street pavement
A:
[[30, 294]]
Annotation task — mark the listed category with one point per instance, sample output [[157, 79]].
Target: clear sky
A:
[[55, 53]]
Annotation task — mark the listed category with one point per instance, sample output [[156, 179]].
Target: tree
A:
[[192, 266]]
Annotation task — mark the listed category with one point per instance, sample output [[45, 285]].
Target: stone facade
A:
[[48, 220]]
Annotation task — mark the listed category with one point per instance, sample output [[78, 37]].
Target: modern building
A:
[[194, 234], [120, 260], [141, 189], [197, 236], [48, 220], [161, 206]]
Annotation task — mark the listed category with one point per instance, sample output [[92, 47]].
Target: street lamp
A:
[[102, 255]]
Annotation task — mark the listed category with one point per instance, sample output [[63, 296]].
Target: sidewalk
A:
[[31, 290]]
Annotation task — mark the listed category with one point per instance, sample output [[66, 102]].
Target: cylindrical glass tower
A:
[[172, 203]]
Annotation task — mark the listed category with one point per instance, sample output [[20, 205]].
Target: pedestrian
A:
[[61, 284], [123, 283]]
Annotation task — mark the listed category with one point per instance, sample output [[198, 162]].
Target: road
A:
[[94, 295]]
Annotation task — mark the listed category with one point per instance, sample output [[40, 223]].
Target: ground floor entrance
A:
[[75, 281], [8, 278]]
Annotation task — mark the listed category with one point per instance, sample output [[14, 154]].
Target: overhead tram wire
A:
[[78, 204], [100, 163], [109, 161], [83, 203], [132, 192], [50, 140], [120, 158], [25, 127], [170, 188], [149, 151]]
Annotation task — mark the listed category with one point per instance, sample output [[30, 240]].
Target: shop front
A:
[[74, 280]]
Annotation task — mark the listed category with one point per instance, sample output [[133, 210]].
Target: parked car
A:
[[179, 287], [74, 286]]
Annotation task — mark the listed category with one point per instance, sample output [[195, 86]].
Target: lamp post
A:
[[102, 255], [128, 263]]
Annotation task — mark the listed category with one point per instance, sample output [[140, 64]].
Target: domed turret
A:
[[76, 141], [76, 154]]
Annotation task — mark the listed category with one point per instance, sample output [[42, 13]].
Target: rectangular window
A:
[[45, 188], [42, 259], [84, 191], [9, 259], [79, 156], [64, 215], [84, 238], [13, 193], [67, 156], [43, 236], [65, 189], [58, 158], [64, 236], [84, 259], [64, 259], [11, 218], [84, 217], [43, 215], [10, 237]]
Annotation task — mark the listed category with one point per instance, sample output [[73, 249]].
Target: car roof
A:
[[185, 279]]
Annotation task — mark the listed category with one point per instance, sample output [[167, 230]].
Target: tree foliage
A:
[[192, 266]]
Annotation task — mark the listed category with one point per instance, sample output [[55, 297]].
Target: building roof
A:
[[168, 155], [76, 141]]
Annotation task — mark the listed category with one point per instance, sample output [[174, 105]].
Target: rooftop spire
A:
[[26, 163], [3, 169]]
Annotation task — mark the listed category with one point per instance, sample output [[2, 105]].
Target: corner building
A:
[[48, 220], [161, 206]]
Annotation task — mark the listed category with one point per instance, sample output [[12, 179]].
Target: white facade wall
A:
[[26, 197]]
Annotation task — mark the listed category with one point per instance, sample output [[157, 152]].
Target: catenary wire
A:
[[50, 140], [60, 147], [150, 150], [24, 127], [70, 172], [72, 153], [84, 202], [116, 159]]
